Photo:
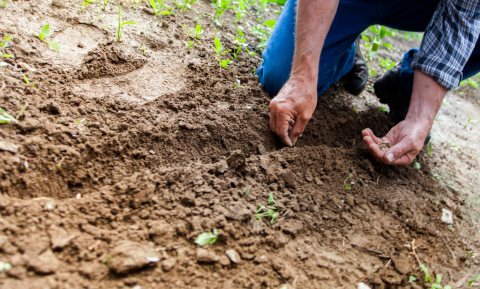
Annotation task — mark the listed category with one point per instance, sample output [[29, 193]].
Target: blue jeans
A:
[[353, 16]]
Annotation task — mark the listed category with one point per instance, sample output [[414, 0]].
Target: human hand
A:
[[292, 108], [406, 140]]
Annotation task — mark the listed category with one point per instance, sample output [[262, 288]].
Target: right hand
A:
[[292, 108]]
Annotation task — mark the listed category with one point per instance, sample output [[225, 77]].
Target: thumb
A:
[[298, 128], [398, 153]]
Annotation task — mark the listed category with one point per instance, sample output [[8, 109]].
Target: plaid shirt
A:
[[449, 41]]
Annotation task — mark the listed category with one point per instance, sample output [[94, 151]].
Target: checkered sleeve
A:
[[449, 41]]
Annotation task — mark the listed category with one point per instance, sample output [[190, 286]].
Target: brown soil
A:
[[118, 145]]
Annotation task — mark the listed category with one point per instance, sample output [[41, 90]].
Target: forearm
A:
[[314, 18], [427, 97]]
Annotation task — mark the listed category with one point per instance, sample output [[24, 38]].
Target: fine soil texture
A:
[[124, 152]]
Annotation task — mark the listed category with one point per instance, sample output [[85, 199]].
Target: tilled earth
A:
[[127, 151]]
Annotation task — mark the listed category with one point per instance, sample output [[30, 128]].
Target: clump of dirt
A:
[[109, 60], [94, 170]]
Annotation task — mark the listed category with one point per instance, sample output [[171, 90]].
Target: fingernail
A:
[[390, 157]]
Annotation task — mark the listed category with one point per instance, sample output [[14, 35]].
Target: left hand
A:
[[406, 139]]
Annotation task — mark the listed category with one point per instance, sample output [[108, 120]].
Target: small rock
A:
[[233, 256], [60, 238], [44, 264], [205, 256], [238, 213], [261, 149], [362, 285], [168, 264], [447, 216], [224, 261], [130, 256], [8, 147], [260, 259], [93, 270], [80, 45], [350, 200]]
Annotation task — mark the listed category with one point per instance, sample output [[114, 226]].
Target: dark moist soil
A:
[[155, 148]]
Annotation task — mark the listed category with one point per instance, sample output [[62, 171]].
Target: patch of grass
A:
[[45, 35], [268, 211], [207, 238], [122, 24]]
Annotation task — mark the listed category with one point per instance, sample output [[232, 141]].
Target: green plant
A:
[[268, 211], [473, 280], [416, 165], [185, 4], [435, 281], [121, 24], [221, 6], [412, 279], [159, 7], [5, 43], [220, 52], [6, 118], [45, 35], [348, 183], [198, 31], [374, 38], [207, 238], [3, 4], [27, 81]]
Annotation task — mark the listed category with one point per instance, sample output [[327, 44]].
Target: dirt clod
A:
[[206, 256], [130, 256], [46, 263]]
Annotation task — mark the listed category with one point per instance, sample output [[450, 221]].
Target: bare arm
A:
[[294, 105], [409, 135]]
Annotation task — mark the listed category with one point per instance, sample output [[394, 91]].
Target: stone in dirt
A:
[[130, 256], [9, 147], [205, 256], [168, 264], [402, 264], [233, 256], [292, 227], [447, 216], [44, 264], [362, 285], [60, 238]]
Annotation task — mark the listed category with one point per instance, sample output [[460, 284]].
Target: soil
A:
[[127, 151]]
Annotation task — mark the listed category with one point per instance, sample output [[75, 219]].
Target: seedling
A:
[[412, 279], [6, 118], [185, 4], [348, 183], [27, 81], [159, 7], [383, 108], [474, 280], [221, 6], [5, 43], [434, 281], [45, 35], [207, 238], [21, 111], [3, 4], [198, 31], [429, 149], [416, 165], [121, 24], [268, 211], [220, 51]]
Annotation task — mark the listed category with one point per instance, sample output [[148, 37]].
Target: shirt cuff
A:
[[437, 69]]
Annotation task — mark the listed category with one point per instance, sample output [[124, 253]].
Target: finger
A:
[[400, 153], [374, 148], [298, 128], [369, 132], [273, 119], [282, 128]]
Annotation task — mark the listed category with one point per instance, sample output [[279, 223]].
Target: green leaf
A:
[[6, 118], [412, 279], [270, 23], [271, 200], [45, 32], [473, 280], [53, 45], [218, 45], [416, 165], [279, 2], [428, 277], [124, 23], [207, 238], [429, 149], [225, 63], [7, 55]]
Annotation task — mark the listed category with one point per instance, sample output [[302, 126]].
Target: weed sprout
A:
[[121, 24], [45, 35]]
